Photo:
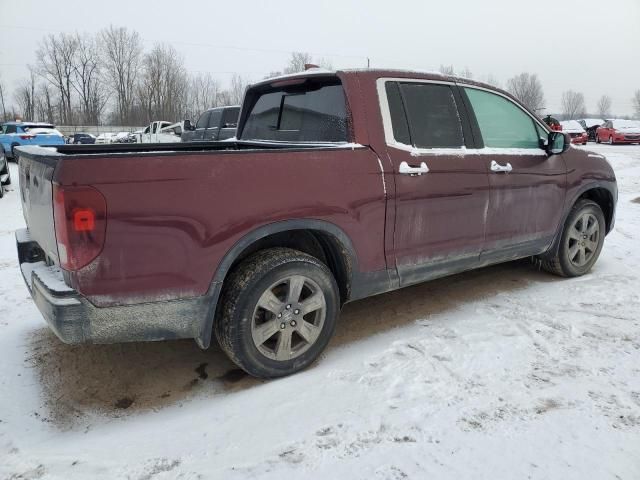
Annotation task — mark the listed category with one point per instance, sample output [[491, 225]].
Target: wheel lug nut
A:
[[282, 325], [279, 315], [296, 311], [288, 307], [293, 323]]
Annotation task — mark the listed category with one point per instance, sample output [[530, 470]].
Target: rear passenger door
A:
[[211, 133], [441, 193], [527, 187]]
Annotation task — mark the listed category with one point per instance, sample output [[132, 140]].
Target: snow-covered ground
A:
[[502, 373]]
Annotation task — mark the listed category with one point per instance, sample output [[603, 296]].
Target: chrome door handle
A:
[[406, 169], [496, 167]]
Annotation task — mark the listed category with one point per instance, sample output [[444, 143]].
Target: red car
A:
[[619, 131], [576, 132], [339, 186]]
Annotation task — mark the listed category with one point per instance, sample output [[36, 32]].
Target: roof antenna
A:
[[309, 66]]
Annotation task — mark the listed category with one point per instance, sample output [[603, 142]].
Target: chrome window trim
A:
[[390, 140]]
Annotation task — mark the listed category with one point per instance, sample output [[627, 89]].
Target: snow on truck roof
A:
[[382, 72]]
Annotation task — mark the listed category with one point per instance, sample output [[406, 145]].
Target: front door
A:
[[211, 133], [441, 193], [527, 187], [201, 126]]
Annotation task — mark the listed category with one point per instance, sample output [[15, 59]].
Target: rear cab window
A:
[[313, 110]]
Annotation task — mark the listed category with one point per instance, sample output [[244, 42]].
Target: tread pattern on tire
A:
[[257, 264], [553, 265]]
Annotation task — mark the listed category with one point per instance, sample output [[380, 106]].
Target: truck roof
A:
[[375, 72]]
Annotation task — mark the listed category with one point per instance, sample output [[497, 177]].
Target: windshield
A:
[[312, 112]]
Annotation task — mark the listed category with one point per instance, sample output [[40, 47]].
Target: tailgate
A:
[[36, 172]]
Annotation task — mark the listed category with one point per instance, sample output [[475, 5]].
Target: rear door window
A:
[[502, 123], [312, 112], [432, 114], [230, 117]]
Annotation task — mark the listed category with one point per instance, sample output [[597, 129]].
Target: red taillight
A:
[[27, 137], [80, 216]]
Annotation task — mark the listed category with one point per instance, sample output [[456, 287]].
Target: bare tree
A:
[[572, 104], [604, 106], [527, 88], [238, 87], [203, 94], [466, 73], [25, 97], [447, 70], [87, 80], [635, 101], [55, 63], [44, 104], [492, 80], [162, 91], [4, 108], [297, 62], [121, 58]]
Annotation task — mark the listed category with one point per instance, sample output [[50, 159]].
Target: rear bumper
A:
[[76, 320]]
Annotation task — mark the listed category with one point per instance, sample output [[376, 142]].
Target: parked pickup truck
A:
[[160, 132], [215, 124], [340, 185]]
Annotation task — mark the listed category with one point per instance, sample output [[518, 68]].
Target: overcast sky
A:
[[591, 46]]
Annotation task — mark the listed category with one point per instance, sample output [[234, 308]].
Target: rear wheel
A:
[[581, 241], [278, 312]]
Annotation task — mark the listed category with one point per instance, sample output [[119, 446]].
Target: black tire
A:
[[562, 264], [1, 190], [8, 172], [239, 311]]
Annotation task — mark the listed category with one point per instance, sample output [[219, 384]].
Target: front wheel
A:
[[581, 241], [278, 312]]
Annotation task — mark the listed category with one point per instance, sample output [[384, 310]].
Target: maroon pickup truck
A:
[[340, 185]]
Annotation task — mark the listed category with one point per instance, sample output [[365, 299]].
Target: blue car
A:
[[18, 134]]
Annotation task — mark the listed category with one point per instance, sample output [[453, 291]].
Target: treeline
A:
[[108, 78]]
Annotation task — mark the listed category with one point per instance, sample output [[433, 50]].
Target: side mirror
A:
[[188, 125], [558, 143]]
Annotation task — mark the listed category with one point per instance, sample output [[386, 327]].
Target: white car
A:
[[575, 130], [106, 138]]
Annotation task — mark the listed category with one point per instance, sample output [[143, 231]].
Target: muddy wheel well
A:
[[321, 245], [604, 199]]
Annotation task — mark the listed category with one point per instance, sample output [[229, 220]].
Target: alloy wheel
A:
[[288, 318], [583, 239]]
